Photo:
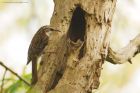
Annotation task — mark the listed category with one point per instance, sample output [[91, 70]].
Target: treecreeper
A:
[[37, 45]]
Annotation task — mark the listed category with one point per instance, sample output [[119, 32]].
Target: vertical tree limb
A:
[[79, 50]]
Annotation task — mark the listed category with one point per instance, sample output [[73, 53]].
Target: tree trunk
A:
[[73, 59]]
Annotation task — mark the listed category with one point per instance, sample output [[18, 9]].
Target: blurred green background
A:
[[19, 21]]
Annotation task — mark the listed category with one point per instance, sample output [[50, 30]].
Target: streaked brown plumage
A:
[[37, 45]]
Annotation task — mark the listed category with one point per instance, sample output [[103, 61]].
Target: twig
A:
[[3, 80], [1, 63]]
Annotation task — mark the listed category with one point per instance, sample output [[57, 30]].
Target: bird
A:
[[36, 47]]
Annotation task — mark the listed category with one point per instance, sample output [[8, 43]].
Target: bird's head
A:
[[50, 29]]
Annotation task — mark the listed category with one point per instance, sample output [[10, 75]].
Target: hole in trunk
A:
[[77, 28], [78, 25]]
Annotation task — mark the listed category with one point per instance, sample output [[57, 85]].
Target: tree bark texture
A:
[[73, 59]]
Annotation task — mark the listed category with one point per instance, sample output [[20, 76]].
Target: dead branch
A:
[[125, 54], [1, 63]]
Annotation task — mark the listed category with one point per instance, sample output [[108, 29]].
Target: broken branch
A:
[[125, 54]]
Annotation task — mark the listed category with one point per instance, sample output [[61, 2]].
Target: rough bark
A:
[[73, 59]]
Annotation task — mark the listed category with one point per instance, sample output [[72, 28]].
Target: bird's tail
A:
[[34, 71], [28, 60]]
